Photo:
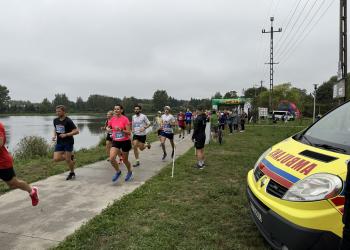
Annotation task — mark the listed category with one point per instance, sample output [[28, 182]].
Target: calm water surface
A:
[[18, 127]]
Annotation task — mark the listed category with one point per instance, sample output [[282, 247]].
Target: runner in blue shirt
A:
[[188, 118]]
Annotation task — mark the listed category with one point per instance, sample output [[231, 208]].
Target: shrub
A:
[[31, 147]]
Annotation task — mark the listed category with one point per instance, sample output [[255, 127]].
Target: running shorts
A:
[[64, 147], [109, 137], [7, 174], [199, 142], [140, 138], [170, 136], [125, 146]]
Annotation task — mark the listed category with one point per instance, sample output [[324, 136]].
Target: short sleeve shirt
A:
[[181, 119], [6, 160], [139, 122], [121, 122], [63, 127], [188, 116], [167, 120]]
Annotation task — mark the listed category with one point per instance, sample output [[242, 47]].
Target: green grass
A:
[[198, 209], [40, 168]]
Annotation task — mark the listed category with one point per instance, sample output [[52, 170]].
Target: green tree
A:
[[160, 99], [217, 95], [45, 106], [61, 99], [231, 94], [4, 98], [80, 104], [254, 92]]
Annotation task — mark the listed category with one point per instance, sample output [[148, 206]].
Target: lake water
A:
[[18, 127]]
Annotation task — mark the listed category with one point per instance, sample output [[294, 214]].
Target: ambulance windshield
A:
[[332, 131]]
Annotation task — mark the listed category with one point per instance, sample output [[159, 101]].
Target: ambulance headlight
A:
[[261, 158], [315, 187]]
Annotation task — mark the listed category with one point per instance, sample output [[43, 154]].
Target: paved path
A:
[[66, 205]]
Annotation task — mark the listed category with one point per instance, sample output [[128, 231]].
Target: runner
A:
[[140, 123], [109, 133], [188, 116], [198, 137], [167, 124], [157, 123], [63, 134], [181, 123], [119, 124], [7, 172]]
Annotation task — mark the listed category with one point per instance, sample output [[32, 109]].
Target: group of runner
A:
[[118, 141]]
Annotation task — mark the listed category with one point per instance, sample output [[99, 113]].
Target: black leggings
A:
[[230, 127]]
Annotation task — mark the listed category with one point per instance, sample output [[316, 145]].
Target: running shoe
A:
[[137, 164], [128, 176], [148, 145], [70, 176], [179, 136], [201, 166], [164, 156], [34, 195], [183, 137], [116, 176]]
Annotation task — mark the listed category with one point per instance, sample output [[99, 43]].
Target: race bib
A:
[[119, 135], [60, 129]]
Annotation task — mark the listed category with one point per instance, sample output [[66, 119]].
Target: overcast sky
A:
[[190, 48]]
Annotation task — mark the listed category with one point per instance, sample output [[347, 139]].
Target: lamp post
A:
[[313, 117]]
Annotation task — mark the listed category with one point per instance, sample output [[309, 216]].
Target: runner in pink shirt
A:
[[120, 127]]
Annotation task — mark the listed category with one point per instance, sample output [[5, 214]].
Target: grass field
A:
[[198, 209]]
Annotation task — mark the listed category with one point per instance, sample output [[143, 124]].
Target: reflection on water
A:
[[18, 127]]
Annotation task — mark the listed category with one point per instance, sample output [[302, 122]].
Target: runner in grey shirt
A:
[[140, 123]]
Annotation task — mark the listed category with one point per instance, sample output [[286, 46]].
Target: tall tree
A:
[[45, 106], [217, 95], [61, 99], [160, 99], [4, 98], [231, 94]]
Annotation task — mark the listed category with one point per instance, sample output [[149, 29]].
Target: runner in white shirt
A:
[[140, 123], [168, 122]]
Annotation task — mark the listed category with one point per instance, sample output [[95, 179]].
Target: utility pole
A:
[[271, 60], [343, 60], [314, 113], [261, 82]]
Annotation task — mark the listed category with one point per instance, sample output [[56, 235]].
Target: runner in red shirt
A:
[[120, 127], [7, 173], [181, 123]]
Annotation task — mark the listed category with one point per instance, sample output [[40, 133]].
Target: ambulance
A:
[[296, 189]]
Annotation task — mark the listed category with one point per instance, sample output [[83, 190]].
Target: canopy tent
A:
[[231, 102]]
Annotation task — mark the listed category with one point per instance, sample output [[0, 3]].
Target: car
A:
[[282, 115], [296, 189]]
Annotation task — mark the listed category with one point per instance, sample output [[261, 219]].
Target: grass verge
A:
[[197, 209]]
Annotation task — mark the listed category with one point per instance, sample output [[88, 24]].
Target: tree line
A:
[[101, 103]]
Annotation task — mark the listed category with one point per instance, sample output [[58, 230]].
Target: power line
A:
[[296, 33], [296, 21], [287, 56]]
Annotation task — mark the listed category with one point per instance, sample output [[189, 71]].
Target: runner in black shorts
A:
[[64, 131], [140, 123], [167, 123], [108, 133], [199, 137], [7, 173]]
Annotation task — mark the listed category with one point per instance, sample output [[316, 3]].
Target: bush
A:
[[31, 147]]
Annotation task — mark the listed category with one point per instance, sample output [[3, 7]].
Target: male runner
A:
[[64, 131], [181, 123], [121, 145], [188, 117], [140, 123], [167, 124], [7, 173], [198, 137]]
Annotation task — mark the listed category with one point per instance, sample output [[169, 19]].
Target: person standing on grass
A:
[[230, 121], [181, 124], [222, 120], [7, 172], [63, 134], [243, 119], [140, 123], [167, 123], [198, 137], [235, 120], [119, 124], [188, 117], [108, 133]]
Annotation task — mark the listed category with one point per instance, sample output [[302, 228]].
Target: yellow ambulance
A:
[[296, 189]]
